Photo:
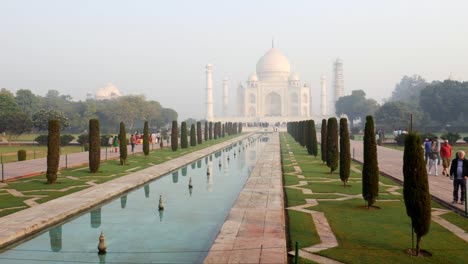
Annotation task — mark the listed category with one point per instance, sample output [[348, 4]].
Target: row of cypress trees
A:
[[213, 130], [415, 187]]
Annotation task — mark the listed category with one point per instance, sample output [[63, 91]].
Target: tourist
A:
[[116, 144], [433, 159], [132, 142], [459, 174], [446, 154], [427, 150], [111, 143], [436, 140]]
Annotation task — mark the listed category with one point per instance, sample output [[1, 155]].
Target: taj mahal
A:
[[274, 94]]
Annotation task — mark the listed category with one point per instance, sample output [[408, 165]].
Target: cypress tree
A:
[[146, 139], [193, 140], [123, 144], [199, 133], [323, 143], [370, 168], [313, 139], [53, 151], [309, 136], [206, 131], [240, 128], [210, 131], [183, 135], [174, 136], [94, 145], [332, 144], [416, 188], [223, 130], [215, 130], [345, 154]]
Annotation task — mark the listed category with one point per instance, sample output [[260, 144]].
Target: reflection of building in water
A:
[[55, 235]]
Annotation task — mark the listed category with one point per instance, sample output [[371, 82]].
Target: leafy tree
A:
[[183, 135], [15, 124], [416, 188], [332, 144], [174, 136], [7, 102], [355, 106], [123, 144], [66, 139], [199, 133], [193, 139], [53, 151], [345, 152], [94, 145], [370, 168], [409, 89], [41, 119], [451, 137], [27, 101], [323, 138], [146, 139], [445, 101]]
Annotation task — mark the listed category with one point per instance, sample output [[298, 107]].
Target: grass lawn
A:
[[364, 236], [10, 153], [75, 179]]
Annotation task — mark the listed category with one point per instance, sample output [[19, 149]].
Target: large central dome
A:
[[273, 65]]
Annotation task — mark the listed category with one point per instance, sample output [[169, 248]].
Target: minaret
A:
[[338, 87], [225, 97], [209, 94], [323, 104]]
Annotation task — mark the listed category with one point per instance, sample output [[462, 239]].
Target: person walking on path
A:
[[111, 143], [132, 142], [116, 144], [437, 142], [446, 154], [433, 159], [427, 150], [459, 173]]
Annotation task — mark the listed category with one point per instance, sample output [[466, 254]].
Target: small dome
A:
[[294, 77], [273, 61], [253, 78]]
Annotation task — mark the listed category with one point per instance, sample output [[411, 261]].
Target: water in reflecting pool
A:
[[137, 232]]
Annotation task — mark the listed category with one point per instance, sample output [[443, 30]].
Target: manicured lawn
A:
[[364, 236], [10, 153], [75, 179]]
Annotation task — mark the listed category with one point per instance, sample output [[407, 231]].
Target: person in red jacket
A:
[[446, 154]]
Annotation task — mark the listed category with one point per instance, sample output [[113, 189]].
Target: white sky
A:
[[160, 48]]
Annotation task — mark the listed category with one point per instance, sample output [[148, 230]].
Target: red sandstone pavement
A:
[[37, 166], [391, 164]]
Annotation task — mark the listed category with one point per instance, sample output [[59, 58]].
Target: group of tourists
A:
[[456, 169], [135, 139]]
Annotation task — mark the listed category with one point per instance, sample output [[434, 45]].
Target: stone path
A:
[[19, 225], [254, 231], [391, 164], [32, 167]]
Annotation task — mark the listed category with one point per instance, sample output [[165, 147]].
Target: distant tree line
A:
[[436, 106], [24, 112]]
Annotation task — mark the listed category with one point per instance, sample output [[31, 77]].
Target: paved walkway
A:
[[24, 223], [254, 231], [38, 166], [391, 164]]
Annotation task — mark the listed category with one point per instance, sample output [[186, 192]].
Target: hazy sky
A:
[[160, 48]]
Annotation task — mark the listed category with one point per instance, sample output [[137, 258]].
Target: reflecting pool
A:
[[137, 232]]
